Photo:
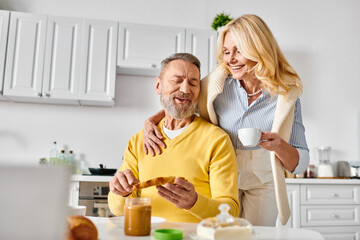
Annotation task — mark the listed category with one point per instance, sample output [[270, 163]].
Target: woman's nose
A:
[[232, 58]]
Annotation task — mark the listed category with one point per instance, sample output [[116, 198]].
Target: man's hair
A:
[[180, 56]]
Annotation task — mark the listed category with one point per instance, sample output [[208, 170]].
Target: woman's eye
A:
[[226, 52]]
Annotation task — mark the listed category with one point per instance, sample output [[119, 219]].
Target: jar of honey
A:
[[137, 213]]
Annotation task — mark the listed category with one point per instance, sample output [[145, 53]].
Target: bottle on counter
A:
[[62, 159], [310, 172], [54, 154], [70, 159]]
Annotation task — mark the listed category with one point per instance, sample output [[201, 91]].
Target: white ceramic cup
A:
[[76, 210], [249, 137]]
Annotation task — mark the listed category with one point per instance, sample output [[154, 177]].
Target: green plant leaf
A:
[[221, 19]]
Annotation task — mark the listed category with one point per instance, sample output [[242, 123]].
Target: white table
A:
[[110, 231]]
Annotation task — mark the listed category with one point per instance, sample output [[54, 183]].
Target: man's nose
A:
[[185, 87]]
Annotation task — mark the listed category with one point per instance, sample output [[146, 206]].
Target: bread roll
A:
[[81, 228]]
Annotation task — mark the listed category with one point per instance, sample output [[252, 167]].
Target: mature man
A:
[[196, 150]]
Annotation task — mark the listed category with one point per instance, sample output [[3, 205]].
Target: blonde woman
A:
[[253, 86]]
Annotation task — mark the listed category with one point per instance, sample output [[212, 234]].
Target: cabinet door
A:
[[143, 47], [62, 58], [25, 55], [202, 44], [330, 194], [74, 193], [330, 215], [4, 24], [293, 194], [98, 65], [338, 233]]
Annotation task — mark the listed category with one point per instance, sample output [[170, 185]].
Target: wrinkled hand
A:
[[270, 141], [152, 138], [121, 184], [182, 194]]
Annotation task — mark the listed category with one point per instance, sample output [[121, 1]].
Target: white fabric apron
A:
[[256, 187]]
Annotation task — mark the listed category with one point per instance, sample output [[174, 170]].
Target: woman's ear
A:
[[158, 86]]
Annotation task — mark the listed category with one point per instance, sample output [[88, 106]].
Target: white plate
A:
[[194, 236], [119, 221]]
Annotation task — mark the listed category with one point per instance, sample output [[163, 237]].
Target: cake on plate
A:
[[224, 226]]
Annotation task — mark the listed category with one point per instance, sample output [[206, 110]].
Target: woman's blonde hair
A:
[[255, 41]]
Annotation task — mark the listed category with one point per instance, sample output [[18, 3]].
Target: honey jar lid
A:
[[168, 234]]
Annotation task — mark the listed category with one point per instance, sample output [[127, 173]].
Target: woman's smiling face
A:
[[237, 63]]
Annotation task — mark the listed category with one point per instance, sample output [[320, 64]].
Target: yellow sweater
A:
[[203, 155]]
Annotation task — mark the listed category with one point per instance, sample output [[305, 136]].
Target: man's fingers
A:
[[117, 192], [167, 192], [170, 199], [185, 184], [118, 188], [130, 178]]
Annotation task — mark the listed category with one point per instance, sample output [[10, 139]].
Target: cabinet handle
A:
[[47, 94], [38, 94], [333, 195], [152, 65], [333, 215]]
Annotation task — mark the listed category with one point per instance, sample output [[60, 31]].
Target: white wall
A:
[[321, 39]]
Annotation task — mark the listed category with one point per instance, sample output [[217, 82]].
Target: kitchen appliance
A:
[[323, 157], [343, 169], [355, 169], [93, 195], [103, 170]]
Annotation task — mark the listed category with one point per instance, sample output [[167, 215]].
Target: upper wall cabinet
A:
[[142, 47], [25, 55], [202, 44], [98, 68], [62, 60], [4, 23]]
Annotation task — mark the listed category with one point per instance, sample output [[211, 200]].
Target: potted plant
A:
[[220, 20]]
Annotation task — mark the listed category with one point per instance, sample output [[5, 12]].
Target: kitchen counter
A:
[[97, 178], [90, 178], [321, 181], [108, 230]]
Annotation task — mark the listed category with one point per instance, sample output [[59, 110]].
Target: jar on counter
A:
[[310, 172], [137, 213]]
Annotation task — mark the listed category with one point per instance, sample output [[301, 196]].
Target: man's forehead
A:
[[181, 68]]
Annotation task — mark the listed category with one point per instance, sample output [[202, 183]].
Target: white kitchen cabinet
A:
[[293, 194], [25, 56], [4, 24], [62, 60], [202, 44], [334, 233], [143, 47], [331, 207], [98, 65], [74, 193]]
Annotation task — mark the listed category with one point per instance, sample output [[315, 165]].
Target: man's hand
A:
[[182, 194], [121, 184]]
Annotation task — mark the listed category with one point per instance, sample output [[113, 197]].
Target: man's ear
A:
[[158, 86]]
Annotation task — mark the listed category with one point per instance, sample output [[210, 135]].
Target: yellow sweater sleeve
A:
[[223, 182], [116, 202]]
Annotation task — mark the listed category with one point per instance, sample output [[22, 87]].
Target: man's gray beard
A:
[[178, 113]]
